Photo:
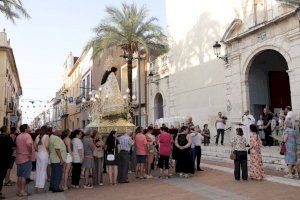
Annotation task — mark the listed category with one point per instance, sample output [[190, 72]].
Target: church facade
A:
[[261, 43]]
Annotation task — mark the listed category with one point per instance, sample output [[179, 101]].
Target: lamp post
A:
[[217, 51], [139, 82]]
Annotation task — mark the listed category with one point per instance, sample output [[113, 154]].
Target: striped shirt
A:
[[125, 142]]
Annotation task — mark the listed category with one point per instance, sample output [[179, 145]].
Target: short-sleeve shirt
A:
[[165, 144], [220, 123], [57, 143], [77, 145], [140, 141], [239, 143], [22, 153], [87, 146]]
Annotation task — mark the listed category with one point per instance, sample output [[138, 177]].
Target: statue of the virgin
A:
[[113, 102]]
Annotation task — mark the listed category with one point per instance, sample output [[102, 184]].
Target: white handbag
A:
[[111, 157]]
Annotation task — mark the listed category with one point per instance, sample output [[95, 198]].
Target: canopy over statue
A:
[[110, 112]]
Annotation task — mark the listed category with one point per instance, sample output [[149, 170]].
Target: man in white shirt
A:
[[220, 126], [197, 140], [247, 120]]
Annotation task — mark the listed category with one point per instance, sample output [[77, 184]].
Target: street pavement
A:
[[214, 183]]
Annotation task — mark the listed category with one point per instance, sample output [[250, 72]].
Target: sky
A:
[[56, 28]]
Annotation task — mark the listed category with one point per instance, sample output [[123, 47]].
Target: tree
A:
[[129, 29], [13, 9]]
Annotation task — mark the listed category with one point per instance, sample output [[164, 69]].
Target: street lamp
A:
[[127, 57], [217, 51]]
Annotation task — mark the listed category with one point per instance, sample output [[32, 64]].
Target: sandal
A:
[[23, 195], [8, 184]]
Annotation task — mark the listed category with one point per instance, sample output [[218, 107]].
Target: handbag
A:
[[233, 155], [282, 148], [111, 156]]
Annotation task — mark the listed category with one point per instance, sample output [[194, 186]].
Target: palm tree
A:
[[12, 9], [130, 30]]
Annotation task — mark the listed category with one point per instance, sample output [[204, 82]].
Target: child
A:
[[206, 134]]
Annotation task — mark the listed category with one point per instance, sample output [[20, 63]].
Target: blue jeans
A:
[[56, 175]]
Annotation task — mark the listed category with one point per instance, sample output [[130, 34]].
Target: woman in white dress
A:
[[41, 144]]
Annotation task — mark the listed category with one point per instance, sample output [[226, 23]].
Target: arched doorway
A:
[[158, 106], [269, 84]]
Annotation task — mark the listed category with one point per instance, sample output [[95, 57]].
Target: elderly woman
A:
[[291, 148], [256, 170], [88, 159], [239, 148], [184, 164]]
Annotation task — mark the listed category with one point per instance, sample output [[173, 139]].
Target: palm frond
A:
[[12, 9]]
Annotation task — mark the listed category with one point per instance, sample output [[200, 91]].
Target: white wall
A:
[[197, 75]]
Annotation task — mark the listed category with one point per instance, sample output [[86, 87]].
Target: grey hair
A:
[[288, 123], [87, 130]]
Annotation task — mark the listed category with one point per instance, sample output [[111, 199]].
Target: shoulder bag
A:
[[282, 148], [232, 155]]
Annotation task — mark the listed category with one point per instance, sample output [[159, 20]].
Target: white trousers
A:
[[42, 161]]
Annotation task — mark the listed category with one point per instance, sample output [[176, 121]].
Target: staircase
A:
[[270, 155]]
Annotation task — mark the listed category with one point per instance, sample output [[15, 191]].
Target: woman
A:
[[256, 165], [206, 134], [88, 160], [184, 164], [41, 146], [112, 147], [239, 148], [291, 148], [77, 157], [150, 151], [98, 158], [260, 124], [67, 166]]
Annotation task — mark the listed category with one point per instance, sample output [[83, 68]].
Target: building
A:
[[10, 84], [261, 41], [70, 89]]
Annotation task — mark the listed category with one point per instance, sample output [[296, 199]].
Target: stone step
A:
[[270, 155]]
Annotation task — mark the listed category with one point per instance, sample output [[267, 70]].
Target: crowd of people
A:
[[87, 155], [58, 155], [264, 133]]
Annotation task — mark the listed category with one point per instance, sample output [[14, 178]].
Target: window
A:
[[88, 84], [83, 88], [260, 11]]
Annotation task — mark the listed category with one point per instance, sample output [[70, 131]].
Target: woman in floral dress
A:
[[256, 165]]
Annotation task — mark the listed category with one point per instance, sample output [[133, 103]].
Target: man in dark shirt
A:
[[267, 118], [6, 149]]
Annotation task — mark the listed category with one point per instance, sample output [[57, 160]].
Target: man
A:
[[141, 152], [247, 120], [24, 157], [267, 118], [197, 140], [58, 155], [220, 126], [290, 115], [13, 134], [5, 156], [125, 142], [165, 141]]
